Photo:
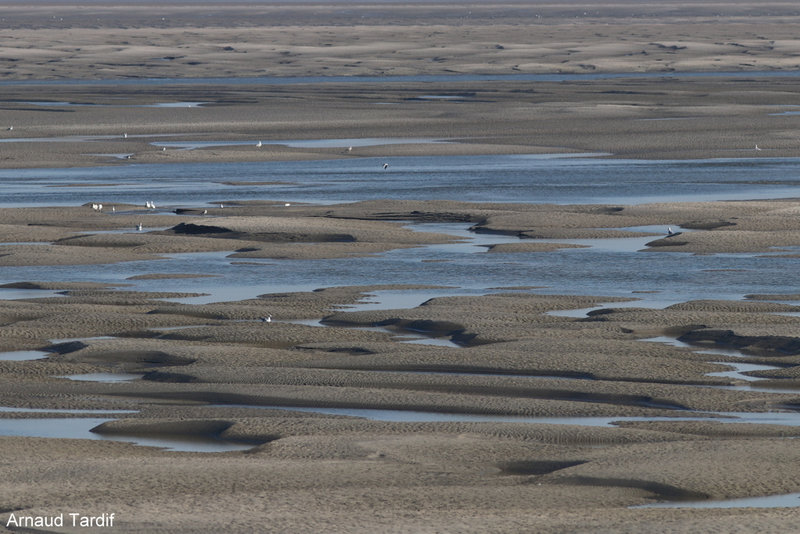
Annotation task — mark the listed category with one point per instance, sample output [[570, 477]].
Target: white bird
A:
[[10, 128], [163, 149], [99, 207], [94, 206], [221, 206], [349, 149], [139, 227], [125, 135], [113, 209], [385, 165], [267, 319], [669, 230], [258, 144], [205, 212], [758, 149], [287, 204]]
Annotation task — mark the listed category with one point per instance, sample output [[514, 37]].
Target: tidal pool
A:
[[23, 355], [789, 500], [417, 416], [81, 428]]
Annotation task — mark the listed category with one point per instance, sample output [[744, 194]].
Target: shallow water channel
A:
[[613, 267]]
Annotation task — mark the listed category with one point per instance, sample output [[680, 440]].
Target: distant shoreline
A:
[[400, 78]]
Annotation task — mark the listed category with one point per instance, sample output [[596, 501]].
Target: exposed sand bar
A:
[[654, 117], [80, 235], [214, 370], [642, 118], [515, 359]]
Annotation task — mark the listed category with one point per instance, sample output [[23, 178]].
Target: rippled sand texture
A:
[[675, 117], [354, 38], [219, 371]]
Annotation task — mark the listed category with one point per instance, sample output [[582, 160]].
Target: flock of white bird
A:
[[148, 204]]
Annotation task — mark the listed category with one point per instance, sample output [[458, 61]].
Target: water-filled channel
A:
[[606, 267]]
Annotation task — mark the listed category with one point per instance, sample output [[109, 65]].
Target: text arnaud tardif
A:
[[72, 519]]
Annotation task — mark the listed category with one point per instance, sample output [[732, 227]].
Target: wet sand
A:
[[669, 116], [218, 370]]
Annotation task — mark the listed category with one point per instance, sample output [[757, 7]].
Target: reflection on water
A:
[[494, 178], [424, 78], [653, 279], [416, 416], [59, 104], [737, 371], [20, 294], [57, 410], [615, 268], [399, 299], [23, 355], [435, 341], [790, 500], [81, 428], [303, 143], [104, 377], [608, 267]]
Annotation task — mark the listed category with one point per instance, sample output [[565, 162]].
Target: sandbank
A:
[[78, 90]]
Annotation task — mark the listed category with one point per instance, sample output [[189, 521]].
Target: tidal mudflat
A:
[[220, 225]]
